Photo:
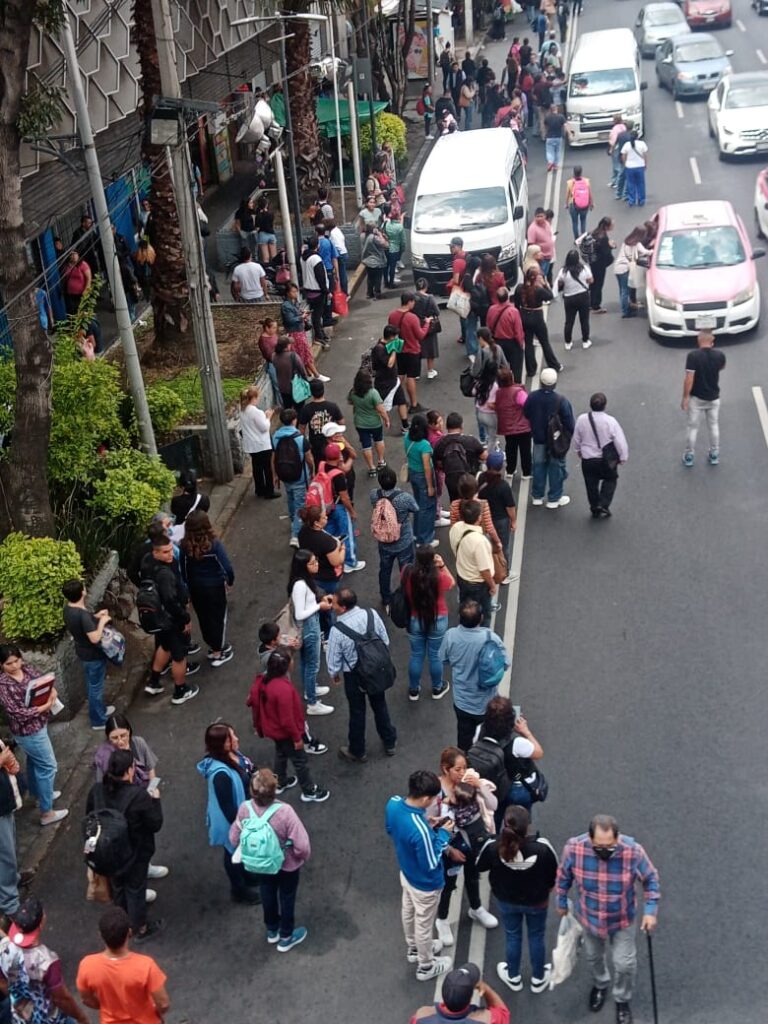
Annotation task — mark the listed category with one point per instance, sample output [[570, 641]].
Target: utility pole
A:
[[197, 277], [352, 100], [430, 44], [367, 37], [276, 156], [295, 197], [339, 152], [130, 352], [469, 29]]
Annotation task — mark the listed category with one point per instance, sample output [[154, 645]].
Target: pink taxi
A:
[[701, 275]]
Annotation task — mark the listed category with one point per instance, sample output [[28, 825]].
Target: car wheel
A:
[[727, 24], [659, 80], [721, 156], [673, 90], [709, 126]]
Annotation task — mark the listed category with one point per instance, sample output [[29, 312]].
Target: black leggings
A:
[[262, 473], [317, 306], [535, 326], [210, 604], [514, 354], [519, 443], [576, 304], [596, 288], [471, 884]]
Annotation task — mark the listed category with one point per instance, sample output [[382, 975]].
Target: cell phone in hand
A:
[[153, 784], [516, 709]]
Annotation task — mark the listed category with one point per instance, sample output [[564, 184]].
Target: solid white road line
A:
[[695, 170], [762, 410], [679, 109], [761, 57], [740, 25]]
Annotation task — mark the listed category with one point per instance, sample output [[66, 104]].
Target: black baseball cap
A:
[[458, 986]]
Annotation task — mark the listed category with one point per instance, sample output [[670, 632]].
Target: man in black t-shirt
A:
[[313, 417], [554, 125], [86, 629], [457, 453], [701, 394]]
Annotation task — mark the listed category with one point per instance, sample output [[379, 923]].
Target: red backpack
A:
[[320, 490]]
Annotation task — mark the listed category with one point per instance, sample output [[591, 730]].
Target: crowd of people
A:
[[471, 812]]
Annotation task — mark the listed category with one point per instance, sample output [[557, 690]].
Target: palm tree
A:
[[170, 293], [311, 162]]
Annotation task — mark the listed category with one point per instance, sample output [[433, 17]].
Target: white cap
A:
[[548, 377], [332, 429]]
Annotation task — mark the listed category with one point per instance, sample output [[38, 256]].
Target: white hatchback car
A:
[[761, 204], [737, 111]]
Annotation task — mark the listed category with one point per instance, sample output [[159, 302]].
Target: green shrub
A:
[[389, 128], [189, 389], [166, 408], [32, 571], [133, 487], [7, 395]]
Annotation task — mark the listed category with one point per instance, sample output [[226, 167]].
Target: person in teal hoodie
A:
[[419, 845], [228, 772]]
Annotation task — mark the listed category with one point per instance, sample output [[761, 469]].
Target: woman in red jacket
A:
[[510, 399], [278, 715]]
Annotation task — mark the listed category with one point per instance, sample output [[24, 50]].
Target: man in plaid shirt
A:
[[606, 865]]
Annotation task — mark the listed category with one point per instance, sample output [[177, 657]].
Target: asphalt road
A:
[[638, 660]]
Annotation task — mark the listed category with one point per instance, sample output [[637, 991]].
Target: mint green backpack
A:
[[260, 850]]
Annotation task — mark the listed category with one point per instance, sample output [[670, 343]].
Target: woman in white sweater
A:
[[306, 604], [257, 441]]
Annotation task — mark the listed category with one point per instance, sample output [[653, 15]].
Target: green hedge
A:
[[32, 571]]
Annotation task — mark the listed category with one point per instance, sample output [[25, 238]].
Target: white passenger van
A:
[[474, 187], [603, 80]]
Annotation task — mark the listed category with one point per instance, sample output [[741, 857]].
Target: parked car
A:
[[738, 114], [761, 204], [701, 274], [708, 13], [691, 65], [657, 22]]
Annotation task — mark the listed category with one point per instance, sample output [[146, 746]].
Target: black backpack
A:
[[558, 436], [375, 670], [467, 382], [399, 607], [153, 618], [107, 846], [588, 248], [487, 758], [289, 461], [454, 458]]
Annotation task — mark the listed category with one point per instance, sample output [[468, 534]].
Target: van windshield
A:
[[459, 211], [601, 83]]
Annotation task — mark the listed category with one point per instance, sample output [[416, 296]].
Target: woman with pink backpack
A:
[[578, 201]]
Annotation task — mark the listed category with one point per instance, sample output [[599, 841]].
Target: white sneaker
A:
[[354, 568], [537, 501], [157, 871], [434, 544], [444, 932], [539, 985], [586, 344], [565, 500], [412, 954], [439, 965], [516, 983], [150, 895], [484, 917], [323, 378], [322, 691], [294, 542], [431, 374], [568, 346], [513, 576], [318, 708], [442, 522]]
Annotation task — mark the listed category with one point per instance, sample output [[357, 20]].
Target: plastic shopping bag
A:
[[566, 952]]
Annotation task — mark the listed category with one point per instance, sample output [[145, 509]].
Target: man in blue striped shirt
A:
[[419, 845]]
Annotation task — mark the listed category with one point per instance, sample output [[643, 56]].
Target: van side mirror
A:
[[757, 253], [729, 53], [644, 85], [518, 213]]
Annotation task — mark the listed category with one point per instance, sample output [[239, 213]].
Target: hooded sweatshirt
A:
[[276, 709], [418, 846], [528, 879]]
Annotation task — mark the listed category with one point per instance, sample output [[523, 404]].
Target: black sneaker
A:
[[153, 929], [597, 998], [192, 667], [153, 689], [441, 692], [318, 795], [346, 755], [184, 693], [166, 670], [289, 783], [315, 747], [225, 650], [391, 751], [623, 1013], [194, 648]]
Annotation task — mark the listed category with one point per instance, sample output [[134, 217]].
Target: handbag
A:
[[500, 567], [300, 389], [537, 786], [611, 458], [458, 302], [283, 272], [112, 643], [289, 627], [98, 889], [404, 467], [399, 606]]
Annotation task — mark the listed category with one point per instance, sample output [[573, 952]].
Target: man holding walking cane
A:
[[605, 865]]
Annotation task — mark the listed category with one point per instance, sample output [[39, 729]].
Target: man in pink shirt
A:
[[540, 233]]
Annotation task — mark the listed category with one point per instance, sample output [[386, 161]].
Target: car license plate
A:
[[709, 17], [705, 323]]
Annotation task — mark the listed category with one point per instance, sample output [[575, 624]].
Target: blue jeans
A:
[[278, 900], [95, 673], [343, 280], [504, 530], [554, 149], [388, 555], [578, 220], [544, 266], [635, 185], [469, 333], [327, 618], [41, 766], [9, 873], [616, 167], [340, 524], [426, 645], [295, 495], [512, 915], [310, 657], [391, 270], [622, 280], [425, 518], [468, 111], [547, 470], [620, 188]]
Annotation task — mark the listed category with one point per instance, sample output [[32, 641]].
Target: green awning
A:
[[325, 110]]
